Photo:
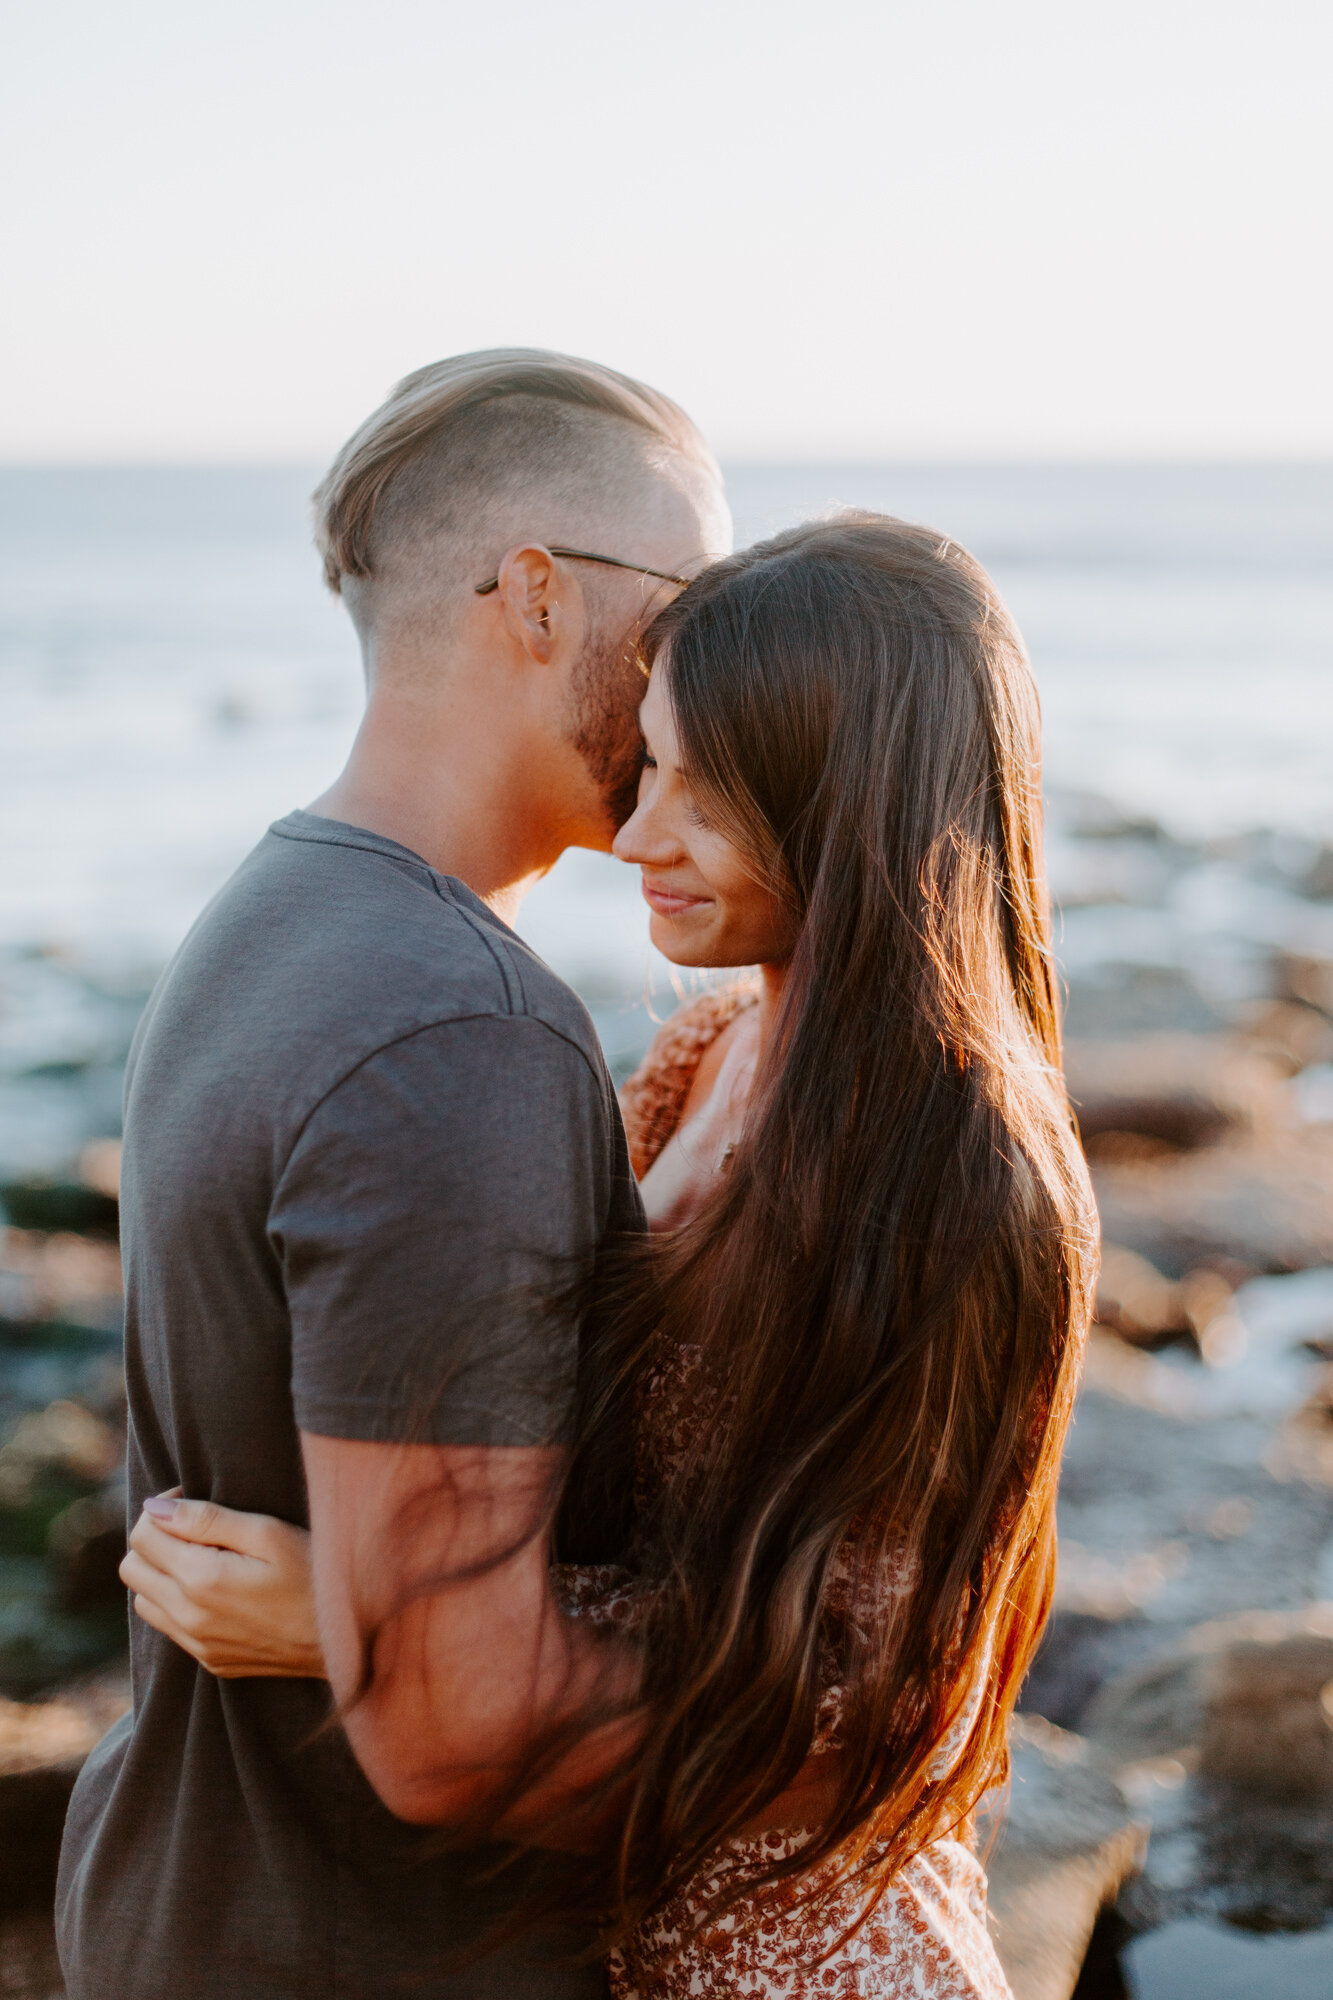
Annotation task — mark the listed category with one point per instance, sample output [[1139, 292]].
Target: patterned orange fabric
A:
[[654, 1098]]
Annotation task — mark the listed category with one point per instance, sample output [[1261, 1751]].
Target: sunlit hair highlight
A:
[[888, 1292]]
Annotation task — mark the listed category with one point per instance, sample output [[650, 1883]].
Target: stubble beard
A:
[[607, 688]]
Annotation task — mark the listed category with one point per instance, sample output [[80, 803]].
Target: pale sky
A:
[[955, 228]]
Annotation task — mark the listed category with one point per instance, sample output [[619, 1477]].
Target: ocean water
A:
[[174, 676]]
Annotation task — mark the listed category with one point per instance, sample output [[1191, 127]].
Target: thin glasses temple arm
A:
[[586, 555]]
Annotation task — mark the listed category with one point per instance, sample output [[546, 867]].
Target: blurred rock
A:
[[1310, 1095], [1268, 1715], [1302, 1447], [1265, 1204], [1227, 1741], [1079, 1652], [1135, 1300], [1082, 814], [99, 1167], [61, 1535], [1068, 1843], [1117, 1000], [1245, 1700], [59, 1276], [1179, 1091], [66, 1437], [85, 1546], [60, 1205], [42, 1746], [1290, 1034], [1180, 1496], [41, 1644], [1317, 881], [1305, 976]]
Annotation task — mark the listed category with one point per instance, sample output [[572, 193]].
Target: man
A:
[[368, 1134]]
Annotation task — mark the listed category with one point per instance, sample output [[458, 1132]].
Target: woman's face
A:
[[708, 908]]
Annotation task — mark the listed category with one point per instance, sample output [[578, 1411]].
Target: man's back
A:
[[367, 1134]]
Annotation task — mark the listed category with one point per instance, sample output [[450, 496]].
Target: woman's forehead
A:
[[655, 718]]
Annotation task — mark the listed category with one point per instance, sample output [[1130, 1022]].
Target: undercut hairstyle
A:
[[457, 440]]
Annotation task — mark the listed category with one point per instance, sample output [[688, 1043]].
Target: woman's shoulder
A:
[[654, 1097]]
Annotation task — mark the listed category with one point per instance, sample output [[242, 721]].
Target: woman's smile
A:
[[668, 900]]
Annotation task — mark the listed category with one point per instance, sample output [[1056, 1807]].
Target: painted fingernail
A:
[[161, 1510]]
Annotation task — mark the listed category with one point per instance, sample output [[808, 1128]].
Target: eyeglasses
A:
[[586, 555]]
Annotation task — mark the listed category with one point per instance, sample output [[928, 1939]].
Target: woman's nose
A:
[[644, 839], [628, 842]]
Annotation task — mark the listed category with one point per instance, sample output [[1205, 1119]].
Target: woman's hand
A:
[[233, 1589]]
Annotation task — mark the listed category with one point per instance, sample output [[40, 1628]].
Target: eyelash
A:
[[692, 812]]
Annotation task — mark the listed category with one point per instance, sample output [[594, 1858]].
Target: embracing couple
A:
[[581, 1546]]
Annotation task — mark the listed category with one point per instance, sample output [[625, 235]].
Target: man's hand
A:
[[232, 1589]]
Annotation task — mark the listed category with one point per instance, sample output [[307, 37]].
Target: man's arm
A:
[[456, 1672]]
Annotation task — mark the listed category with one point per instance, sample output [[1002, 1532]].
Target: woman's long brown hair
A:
[[887, 1294]]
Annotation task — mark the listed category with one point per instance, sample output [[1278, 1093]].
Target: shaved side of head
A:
[[476, 454]]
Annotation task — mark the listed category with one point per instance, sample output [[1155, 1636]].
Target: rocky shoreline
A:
[[1173, 1761]]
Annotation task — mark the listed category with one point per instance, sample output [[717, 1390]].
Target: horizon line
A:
[[746, 463]]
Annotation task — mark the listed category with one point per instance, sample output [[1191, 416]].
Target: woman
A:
[[849, 1353]]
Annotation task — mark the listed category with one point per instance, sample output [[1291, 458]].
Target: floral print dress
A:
[[927, 1939]]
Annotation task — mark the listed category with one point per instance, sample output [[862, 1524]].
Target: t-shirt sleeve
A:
[[434, 1222]]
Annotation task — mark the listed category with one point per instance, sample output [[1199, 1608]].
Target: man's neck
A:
[[466, 814]]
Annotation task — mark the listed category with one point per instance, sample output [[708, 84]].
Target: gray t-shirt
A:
[[368, 1136]]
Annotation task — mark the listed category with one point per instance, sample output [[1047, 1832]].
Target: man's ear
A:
[[535, 599]]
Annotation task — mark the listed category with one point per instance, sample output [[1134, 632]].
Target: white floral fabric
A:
[[926, 1939]]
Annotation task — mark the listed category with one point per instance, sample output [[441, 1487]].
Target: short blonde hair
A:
[[417, 420]]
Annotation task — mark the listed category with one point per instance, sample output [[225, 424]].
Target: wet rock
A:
[[1248, 1700], [1264, 1204], [1135, 1300], [1182, 1494], [1227, 1741], [1068, 1843], [1268, 1716], [1142, 1305], [42, 1747], [1177, 1091], [1079, 1652]]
